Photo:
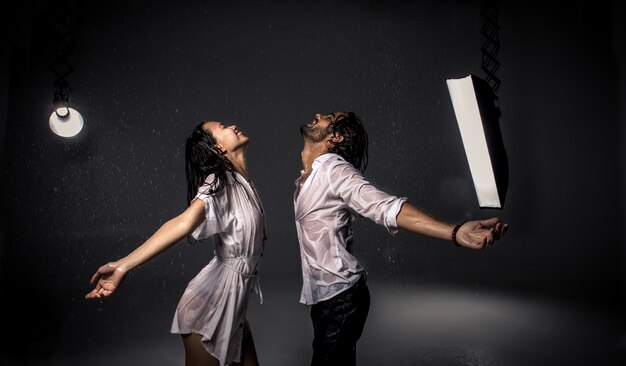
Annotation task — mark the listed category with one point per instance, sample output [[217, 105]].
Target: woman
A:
[[211, 315]]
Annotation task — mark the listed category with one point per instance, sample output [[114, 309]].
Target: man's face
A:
[[319, 129]]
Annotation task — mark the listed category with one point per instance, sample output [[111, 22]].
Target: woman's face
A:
[[228, 138]]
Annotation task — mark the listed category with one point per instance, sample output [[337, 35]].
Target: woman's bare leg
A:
[[195, 353], [249, 356]]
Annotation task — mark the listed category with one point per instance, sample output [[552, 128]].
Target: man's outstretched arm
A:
[[472, 234]]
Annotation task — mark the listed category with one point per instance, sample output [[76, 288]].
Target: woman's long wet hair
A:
[[354, 145], [203, 157]]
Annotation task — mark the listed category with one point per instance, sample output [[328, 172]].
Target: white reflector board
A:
[[467, 110]]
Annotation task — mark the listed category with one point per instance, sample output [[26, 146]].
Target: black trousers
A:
[[338, 324]]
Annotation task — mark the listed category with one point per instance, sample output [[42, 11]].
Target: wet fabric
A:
[[338, 324], [215, 302], [333, 194]]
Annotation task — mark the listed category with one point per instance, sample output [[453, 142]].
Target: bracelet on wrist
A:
[[454, 231]]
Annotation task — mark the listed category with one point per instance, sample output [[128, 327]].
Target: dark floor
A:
[[407, 326]]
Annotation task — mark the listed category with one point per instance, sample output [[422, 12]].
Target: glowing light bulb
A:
[[66, 122]]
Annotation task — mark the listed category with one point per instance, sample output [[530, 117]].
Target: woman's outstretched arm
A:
[[109, 277]]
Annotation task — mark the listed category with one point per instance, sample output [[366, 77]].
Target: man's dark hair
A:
[[354, 145], [203, 157]]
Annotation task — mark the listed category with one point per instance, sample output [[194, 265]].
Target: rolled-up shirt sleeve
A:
[[214, 203], [362, 197]]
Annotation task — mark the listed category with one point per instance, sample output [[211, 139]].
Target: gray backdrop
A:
[[147, 72]]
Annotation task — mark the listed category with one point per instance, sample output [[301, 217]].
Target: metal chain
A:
[[63, 47], [491, 44]]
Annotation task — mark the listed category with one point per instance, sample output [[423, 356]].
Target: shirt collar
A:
[[321, 159]]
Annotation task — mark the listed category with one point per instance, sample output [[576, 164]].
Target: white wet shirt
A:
[[215, 302], [324, 210]]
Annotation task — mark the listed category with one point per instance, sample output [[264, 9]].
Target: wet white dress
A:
[[215, 302]]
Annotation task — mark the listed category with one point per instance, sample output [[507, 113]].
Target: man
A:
[[330, 189]]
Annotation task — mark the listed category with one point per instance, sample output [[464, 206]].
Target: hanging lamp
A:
[[474, 102], [64, 120]]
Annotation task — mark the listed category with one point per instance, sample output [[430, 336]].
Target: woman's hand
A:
[[107, 279]]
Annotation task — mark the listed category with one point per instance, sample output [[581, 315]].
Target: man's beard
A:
[[313, 133]]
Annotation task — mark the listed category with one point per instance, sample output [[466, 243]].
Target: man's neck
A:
[[310, 152]]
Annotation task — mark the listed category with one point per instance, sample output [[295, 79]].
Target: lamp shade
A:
[[66, 122], [478, 120]]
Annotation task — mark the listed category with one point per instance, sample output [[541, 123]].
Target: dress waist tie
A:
[[247, 263]]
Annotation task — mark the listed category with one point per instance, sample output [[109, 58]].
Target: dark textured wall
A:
[[146, 74]]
